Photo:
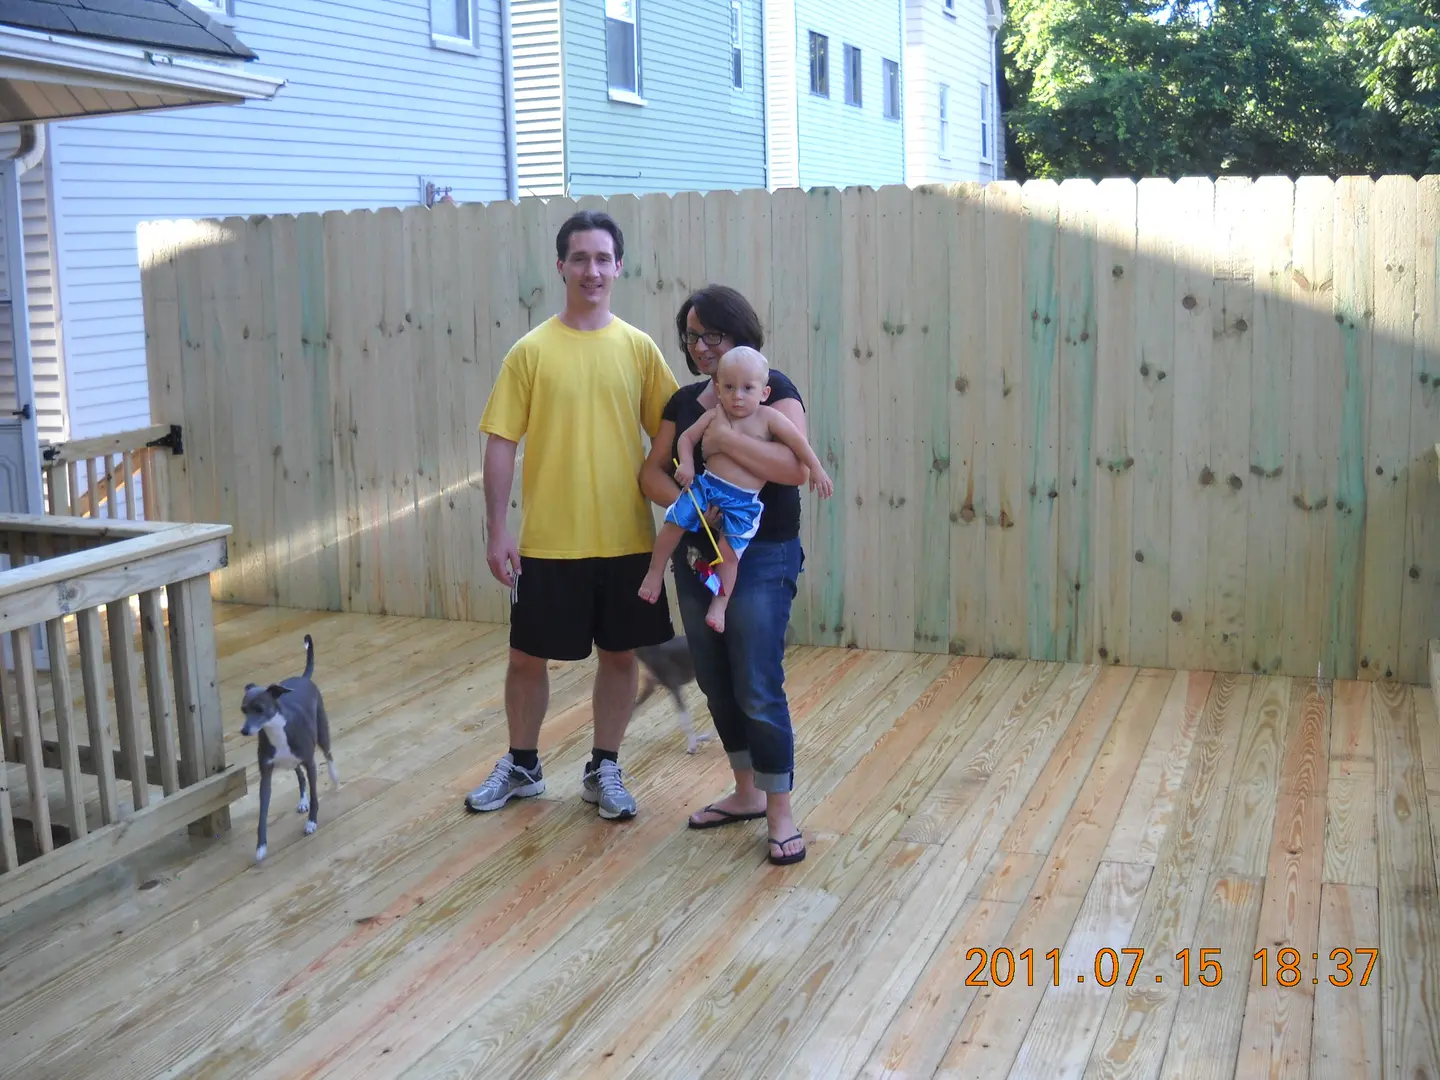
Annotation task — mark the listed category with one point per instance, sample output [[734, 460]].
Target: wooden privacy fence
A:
[[1182, 424]]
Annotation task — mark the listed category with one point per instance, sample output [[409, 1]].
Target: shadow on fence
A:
[[1186, 424]]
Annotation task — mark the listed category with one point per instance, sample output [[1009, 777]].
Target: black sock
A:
[[526, 759], [597, 756]]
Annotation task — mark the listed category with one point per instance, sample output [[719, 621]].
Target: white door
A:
[[19, 431]]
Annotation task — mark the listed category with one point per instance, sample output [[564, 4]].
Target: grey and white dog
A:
[[669, 665], [289, 718]]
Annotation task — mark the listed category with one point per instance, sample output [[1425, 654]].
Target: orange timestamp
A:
[[1002, 966]]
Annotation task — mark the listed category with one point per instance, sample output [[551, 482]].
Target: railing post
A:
[[197, 693]]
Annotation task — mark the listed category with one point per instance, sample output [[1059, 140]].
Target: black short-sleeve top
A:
[[780, 520]]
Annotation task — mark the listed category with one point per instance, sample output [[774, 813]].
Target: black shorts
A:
[[561, 607]]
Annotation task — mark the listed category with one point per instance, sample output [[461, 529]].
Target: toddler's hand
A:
[[685, 475], [820, 482]]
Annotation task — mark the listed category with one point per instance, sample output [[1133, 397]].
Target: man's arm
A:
[[770, 461], [501, 551]]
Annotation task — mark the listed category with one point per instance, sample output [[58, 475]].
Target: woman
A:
[[742, 671]]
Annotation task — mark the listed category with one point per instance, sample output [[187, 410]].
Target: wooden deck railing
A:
[[89, 783], [124, 476]]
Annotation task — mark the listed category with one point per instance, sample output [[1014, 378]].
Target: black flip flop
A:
[[786, 860], [727, 818]]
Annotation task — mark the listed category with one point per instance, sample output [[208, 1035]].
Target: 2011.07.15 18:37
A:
[[1002, 966]]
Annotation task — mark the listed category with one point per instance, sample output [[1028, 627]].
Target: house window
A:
[[217, 7], [622, 46], [737, 46], [984, 122], [819, 64], [892, 89], [852, 75], [944, 121], [452, 24], [949, 7]]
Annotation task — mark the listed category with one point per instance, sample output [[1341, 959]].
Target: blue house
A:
[[638, 96], [835, 89], [656, 95], [370, 103]]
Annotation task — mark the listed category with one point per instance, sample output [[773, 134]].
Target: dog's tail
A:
[[309, 657]]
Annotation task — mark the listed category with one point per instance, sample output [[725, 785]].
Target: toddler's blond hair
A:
[[744, 354]]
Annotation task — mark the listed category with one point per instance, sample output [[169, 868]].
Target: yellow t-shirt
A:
[[580, 399]]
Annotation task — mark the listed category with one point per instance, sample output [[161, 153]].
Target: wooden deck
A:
[[955, 808]]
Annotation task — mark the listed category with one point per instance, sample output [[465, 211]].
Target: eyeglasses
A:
[[710, 337]]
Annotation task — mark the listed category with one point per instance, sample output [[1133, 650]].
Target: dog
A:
[[669, 665], [289, 719]]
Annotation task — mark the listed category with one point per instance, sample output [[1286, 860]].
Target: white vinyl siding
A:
[[782, 87], [370, 108], [39, 302], [539, 96], [951, 48]]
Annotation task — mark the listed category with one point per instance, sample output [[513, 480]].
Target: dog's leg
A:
[[647, 687], [687, 723], [314, 796], [260, 846], [322, 736], [304, 806]]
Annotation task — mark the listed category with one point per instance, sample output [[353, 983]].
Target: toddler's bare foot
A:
[[650, 587], [716, 618]]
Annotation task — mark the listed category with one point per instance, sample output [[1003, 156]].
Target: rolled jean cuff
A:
[[775, 783], [740, 760]]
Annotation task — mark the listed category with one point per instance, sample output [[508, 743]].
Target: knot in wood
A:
[[1189, 303]]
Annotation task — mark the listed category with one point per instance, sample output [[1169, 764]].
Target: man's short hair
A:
[[585, 221]]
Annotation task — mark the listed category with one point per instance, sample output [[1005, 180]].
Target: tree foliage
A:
[[1139, 88]]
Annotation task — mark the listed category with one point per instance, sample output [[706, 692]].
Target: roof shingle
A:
[[151, 24]]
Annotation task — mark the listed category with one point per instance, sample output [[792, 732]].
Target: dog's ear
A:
[[275, 690], [249, 686]]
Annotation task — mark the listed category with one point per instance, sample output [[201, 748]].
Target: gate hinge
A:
[[173, 442]]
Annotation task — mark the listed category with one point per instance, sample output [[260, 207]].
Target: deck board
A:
[[953, 807]]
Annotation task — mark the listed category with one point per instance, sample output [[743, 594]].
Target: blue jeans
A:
[[742, 672]]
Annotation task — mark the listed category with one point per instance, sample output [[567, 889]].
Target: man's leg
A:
[[527, 696], [617, 680], [623, 623], [549, 620]]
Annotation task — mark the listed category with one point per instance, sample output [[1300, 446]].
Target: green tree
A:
[[1138, 88]]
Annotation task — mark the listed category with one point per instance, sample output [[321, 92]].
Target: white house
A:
[[952, 99], [63, 60], [384, 103]]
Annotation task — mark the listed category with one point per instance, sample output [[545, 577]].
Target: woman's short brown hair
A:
[[719, 307]]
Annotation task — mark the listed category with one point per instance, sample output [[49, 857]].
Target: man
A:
[[579, 387]]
